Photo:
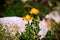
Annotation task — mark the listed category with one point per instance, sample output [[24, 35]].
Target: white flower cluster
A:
[[54, 15], [16, 24], [13, 24], [44, 28]]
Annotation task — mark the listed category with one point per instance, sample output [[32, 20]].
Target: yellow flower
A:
[[34, 11], [27, 18]]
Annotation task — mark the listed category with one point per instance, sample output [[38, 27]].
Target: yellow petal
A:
[[34, 11], [27, 18]]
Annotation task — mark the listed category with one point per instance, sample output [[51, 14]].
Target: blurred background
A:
[[15, 7]]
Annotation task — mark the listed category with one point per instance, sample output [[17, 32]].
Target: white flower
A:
[[44, 29]]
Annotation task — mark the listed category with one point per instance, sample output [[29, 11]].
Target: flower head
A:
[[34, 11], [27, 18]]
